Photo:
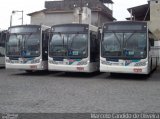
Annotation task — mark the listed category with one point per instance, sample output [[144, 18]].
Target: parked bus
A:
[[74, 48], [127, 47], [26, 48], [2, 48]]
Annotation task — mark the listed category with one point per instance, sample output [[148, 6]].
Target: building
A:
[[59, 12], [148, 12]]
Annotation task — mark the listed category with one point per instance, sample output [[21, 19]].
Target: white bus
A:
[[127, 47], [73, 48], [2, 48], [26, 48]]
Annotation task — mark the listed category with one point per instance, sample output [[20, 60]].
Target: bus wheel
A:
[[156, 64], [113, 74]]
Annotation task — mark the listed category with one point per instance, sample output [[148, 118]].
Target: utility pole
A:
[[13, 12], [11, 20], [131, 13], [80, 12], [22, 17]]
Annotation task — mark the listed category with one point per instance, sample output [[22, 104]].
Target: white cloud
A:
[[120, 7]]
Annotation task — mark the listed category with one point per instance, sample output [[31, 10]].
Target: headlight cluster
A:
[[82, 63], [35, 61], [105, 62], [140, 64], [8, 61], [52, 62], [12, 61]]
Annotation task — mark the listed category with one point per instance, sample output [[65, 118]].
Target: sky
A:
[[28, 6]]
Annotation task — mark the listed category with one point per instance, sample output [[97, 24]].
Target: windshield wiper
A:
[[75, 35], [129, 38]]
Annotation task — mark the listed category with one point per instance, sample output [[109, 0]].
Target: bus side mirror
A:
[[149, 46], [99, 35]]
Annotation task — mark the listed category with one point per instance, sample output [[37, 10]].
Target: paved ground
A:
[[74, 92]]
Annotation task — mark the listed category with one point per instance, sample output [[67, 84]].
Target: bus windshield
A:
[[25, 45], [124, 45], [68, 45]]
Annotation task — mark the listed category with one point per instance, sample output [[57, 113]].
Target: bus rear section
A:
[[26, 48], [125, 48], [73, 48]]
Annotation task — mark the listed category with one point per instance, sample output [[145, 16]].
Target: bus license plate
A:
[[33, 67], [137, 70], [80, 68]]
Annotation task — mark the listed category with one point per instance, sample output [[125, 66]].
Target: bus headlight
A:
[[8, 61], [106, 62], [52, 62], [140, 64], [35, 61]]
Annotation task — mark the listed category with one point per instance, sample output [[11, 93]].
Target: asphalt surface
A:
[[52, 92]]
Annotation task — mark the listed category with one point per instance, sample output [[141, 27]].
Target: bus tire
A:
[[113, 74], [156, 63], [29, 71]]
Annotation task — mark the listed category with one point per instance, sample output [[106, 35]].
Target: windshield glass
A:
[[70, 45], [58, 45], [13, 46], [31, 45], [23, 45], [124, 45]]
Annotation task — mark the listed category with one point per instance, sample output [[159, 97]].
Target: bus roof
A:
[[30, 25], [91, 27], [125, 22]]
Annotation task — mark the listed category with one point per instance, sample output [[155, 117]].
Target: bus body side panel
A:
[[152, 52]]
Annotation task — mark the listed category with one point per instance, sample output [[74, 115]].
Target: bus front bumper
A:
[[123, 69], [37, 66], [91, 67]]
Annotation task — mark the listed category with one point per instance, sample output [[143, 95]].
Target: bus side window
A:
[[94, 53], [2, 39], [99, 34], [45, 45], [151, 41]]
